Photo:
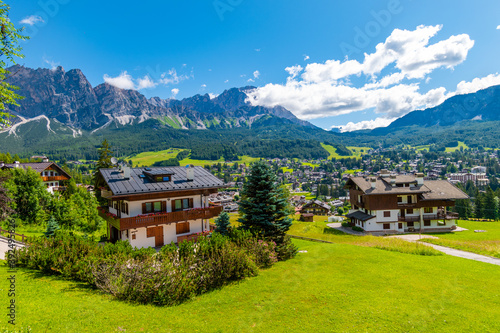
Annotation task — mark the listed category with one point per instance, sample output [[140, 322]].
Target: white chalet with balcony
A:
[[151, 207]]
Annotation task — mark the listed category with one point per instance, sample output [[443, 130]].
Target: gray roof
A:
[[359, 215], [38, 167], [430, 190], [141, 185]]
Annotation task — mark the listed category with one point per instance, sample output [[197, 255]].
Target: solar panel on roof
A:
[[142, 176]]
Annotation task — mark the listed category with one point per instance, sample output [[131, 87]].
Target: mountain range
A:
[[69, 98], [61, 113]]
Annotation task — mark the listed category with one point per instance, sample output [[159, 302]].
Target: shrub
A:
[[169, 277], [346, 224], [355, 228]]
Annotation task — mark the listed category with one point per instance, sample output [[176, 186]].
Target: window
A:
[[400, 225], [410, 224], [427, 223], [166, 178], [409, 199], [182, 228], [400, 199], [182, 204], [409, 211], [428, 210], [387, 214], [387, 226], [153, 207]]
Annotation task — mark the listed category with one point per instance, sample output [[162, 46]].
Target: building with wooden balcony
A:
[[402, 203], [150, 207], [52, 174]]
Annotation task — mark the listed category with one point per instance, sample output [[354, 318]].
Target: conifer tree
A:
[[264, 206], [104, 162], [478, 206], [52, 227], [223, 224], [489, 208]]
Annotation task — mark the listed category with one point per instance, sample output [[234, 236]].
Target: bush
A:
[[355, 228], [346, 224], [169, 277]]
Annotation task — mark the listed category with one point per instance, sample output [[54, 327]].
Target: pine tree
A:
[[52, 227], [223, 224], [489, 205], [478, 206], [264, 206]]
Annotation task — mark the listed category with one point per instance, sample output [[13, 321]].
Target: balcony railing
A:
[[53, 178], [438, 216], [165, 218]]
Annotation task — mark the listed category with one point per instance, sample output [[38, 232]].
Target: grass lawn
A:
[[331, 287], [357, 152], [460, 144], [148, 158], [487, 243], [319, 230]]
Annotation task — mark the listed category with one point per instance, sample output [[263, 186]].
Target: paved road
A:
[[4, 246]]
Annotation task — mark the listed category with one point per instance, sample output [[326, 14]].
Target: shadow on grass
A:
[[331, 231]]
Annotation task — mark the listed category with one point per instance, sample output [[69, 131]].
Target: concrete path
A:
[[4, 246], [450, 251]]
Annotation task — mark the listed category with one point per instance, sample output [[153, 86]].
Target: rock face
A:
[[69, 98]]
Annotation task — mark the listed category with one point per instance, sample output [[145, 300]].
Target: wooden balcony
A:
[[167, 218], [408, 218], [54, 178], [438, 216]]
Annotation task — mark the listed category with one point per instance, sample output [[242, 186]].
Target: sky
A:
[[338, 64]]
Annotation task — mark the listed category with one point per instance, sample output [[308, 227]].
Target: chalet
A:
[[316, 207], [151, 207], [52, 175], [402, 203]]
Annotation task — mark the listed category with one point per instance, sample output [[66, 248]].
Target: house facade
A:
[[316, 207], [402, 203], [151, 207], [52, 175]]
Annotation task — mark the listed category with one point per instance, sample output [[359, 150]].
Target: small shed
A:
[[308, 217]]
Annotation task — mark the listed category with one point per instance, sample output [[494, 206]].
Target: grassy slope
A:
[[357, 152], [460, 144], [487, 243], [330, 288]]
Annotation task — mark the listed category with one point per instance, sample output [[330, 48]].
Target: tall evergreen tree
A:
[[489, 205], [264, 206], [478, 205]]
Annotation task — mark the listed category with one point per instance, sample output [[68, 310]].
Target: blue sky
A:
[[334, 63]]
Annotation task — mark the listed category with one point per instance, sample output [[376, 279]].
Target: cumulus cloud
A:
[[365, 124], [498, 27], [174, 91], [32, 20], [478, 84], [256, 74], [306, 57], [145, 82], [53, 65], [122, 81], [391, 75], [203, 86]]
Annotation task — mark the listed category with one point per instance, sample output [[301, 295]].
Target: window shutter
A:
[[144, 208], [164, 206], [190, 202], [173, 205]]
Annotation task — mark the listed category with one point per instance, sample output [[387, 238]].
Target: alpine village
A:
[[353, 194]]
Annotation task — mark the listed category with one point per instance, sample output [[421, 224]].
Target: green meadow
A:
[[357, 152], [327, 287]]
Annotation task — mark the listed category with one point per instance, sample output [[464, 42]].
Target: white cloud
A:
[[250, 80], [498, 27], [171, 77], [145, 83], [257, 50], [53, 65], [306, 57], [325, 89], [478, 84], [174, 91], [365, 124], [226, 81], [256, 74], [122, 81], [32, 20], [212, 96], [203, 86]]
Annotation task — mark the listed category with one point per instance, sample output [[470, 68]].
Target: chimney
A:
[[2, 163], [16, 164], [126, 172], [420, 178], [373, 182], [190, 172], [393, 180], [384, 173], [45, 160]]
